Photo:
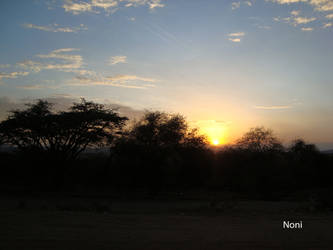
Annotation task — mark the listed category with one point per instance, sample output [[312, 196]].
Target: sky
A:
[[226, 66]]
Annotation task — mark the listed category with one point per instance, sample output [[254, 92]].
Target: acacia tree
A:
[[259, 139], [61, 134]]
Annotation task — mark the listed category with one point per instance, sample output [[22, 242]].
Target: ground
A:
[[102, 224]]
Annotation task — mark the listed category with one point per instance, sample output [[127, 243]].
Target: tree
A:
[[165, 130], [163, 149], [63, 135], [299, 147], [259, 139]]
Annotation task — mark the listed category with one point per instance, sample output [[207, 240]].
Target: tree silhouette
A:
[[163, 149], [259, 139], [165, 130], [299, 147], [64, 134]]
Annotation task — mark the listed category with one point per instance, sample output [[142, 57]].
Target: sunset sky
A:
[[227, 66]]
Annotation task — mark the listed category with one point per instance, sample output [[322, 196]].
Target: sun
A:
[[215, 142], [215, 131]]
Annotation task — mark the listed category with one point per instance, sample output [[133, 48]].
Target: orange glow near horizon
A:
[[216, 132]]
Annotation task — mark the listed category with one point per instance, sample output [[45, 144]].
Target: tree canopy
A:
[[165, 130], [64, 134], [259, 139]]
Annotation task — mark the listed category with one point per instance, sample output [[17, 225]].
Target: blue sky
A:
[[226, 65]]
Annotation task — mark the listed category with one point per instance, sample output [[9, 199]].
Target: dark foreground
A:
[[145, 225]]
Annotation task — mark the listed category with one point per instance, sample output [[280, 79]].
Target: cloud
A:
[[329, 16], [66, 62], [327, 25], [295, 19], [150, 3], [295, 12], [248, 3], [288, 1], [273, 107], [77, 7], [30, 87], [307, 29], [322, 5], [117, 59], [236, 5], [121, 81], [12, 75], [130, 78], [55, 28], [303, 20], [237, 34], [318, 5], [2, 66], [236, 37], [279, 19], [154, 4], [235, 40], [31, 65], [58, 54]]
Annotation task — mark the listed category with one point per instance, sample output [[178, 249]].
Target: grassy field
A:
[[102, 224]]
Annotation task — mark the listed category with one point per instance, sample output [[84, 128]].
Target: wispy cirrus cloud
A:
[[288, 1], [117, 59], [235, 40], [273, 107], [56, 28], [121, 81], [318, 5], [124, 78], [31, 87], [236, 5], [327, 25], [152, 4], [307, 29], [322, 5], [12, 75], [303, 20], [60, 61], [295, 12], [236, 36], [292, 104], [109, 6], [295, 20]]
